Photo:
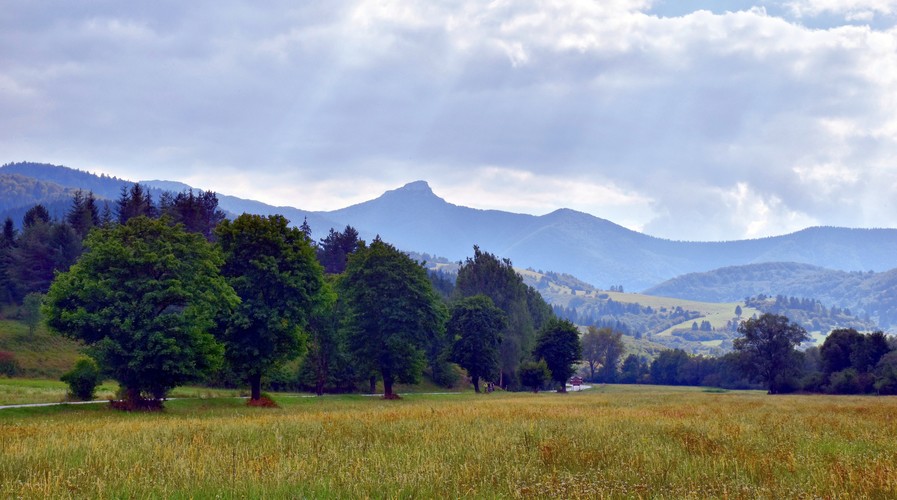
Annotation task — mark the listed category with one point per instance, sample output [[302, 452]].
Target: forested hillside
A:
[[871, 295]]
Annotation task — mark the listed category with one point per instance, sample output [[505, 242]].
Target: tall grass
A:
[[622, 442]]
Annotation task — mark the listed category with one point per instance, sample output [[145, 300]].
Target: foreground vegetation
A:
[[610, 441]]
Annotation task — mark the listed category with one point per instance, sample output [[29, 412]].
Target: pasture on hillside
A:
[[612, 441]]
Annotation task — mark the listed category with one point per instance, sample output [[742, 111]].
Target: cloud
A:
[[851, 10], [706, 124]]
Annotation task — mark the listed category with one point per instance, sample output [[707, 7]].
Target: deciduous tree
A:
[[558, 344], [394, 313], [602, 349], [534, 374], [273, 269], [144, 297], [525, 309], [476, 325], [768, 349]]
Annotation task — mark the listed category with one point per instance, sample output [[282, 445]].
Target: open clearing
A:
[[615, 441]]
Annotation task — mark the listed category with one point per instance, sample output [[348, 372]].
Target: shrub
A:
[[886, 374], [82, 380], [845, 382], [534, 375], [9, 366]]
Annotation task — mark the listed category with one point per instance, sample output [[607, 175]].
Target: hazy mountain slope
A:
[[20, 191], [110, 188], [596, 250], [102, 186], [234, 206]]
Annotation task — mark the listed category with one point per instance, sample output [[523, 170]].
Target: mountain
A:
[[598, 251]]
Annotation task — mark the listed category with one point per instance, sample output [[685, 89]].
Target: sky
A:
[[683, 119]]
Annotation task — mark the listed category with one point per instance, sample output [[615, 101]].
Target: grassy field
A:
[[17, 391], [612, 441], [43, 355]]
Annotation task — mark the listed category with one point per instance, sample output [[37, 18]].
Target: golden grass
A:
[[613, 442]]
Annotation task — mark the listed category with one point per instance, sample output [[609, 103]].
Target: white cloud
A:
[[703, 125], [852, 10]]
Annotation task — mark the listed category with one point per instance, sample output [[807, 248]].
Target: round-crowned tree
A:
[[394, 313], [558, 344], [273, 269], [144, 297], [475, 325]]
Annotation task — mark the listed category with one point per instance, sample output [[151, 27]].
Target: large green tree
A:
[[144, 297], [602, 349], [476, 325], [325, 358], [558, 344], [525, 309], [273, 269], [394, 313], [768, 349]]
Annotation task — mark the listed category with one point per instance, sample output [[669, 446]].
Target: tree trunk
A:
[[476, 384], [321, 375], [255, 386], [373, 381], [387, 387], [563, 386], [132, 396]]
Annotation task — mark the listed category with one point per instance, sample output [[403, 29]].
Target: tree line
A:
[[173, 292], [765, 356], [166, 293]]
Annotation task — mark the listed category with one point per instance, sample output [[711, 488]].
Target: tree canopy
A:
[[394, 313], [476, 326], [558, 344], [199, 213], [768, 349], [602, 349], [144, 297], [273, 269], [525, 309], [335, 249]]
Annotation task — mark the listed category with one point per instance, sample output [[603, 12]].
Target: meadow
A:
[[608, 442]]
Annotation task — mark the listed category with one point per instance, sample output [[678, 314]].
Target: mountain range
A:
[[596, 250]]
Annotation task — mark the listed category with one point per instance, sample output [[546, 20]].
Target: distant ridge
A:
[[598, 251], [865, 293]]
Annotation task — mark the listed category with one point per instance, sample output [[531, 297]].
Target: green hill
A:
[[869, 295], [43, 355], [700, 327]]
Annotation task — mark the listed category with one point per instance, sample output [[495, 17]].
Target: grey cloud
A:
[[679, 109]]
